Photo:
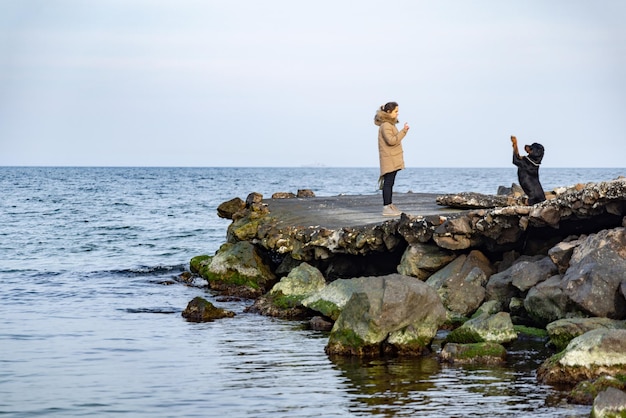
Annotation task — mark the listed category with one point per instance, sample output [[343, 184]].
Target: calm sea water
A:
[[90, 318]]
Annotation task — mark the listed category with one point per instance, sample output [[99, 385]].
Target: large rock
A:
[[547, 302], [236, 269], [597, 271], [461, 283], [284, 300], [562, 331], [595, 353], [389, 314], [422, 260]]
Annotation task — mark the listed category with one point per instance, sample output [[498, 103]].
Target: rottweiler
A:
[[528, 170]]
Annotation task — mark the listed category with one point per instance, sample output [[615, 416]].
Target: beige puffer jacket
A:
[[389, 143]]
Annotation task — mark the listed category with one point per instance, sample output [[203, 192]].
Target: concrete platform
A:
[[351, 211]]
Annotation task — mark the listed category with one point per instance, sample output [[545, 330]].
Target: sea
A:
[[90, 305]]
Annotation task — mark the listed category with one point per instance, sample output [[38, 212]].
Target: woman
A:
[[390, 152]]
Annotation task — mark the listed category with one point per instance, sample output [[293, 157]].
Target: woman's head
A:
[[389, 107]]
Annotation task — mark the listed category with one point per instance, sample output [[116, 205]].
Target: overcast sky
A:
[[297, 83]]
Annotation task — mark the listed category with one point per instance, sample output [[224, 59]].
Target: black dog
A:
[[528, 170]]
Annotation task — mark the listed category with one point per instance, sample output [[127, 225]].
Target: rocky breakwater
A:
[[486, 268]]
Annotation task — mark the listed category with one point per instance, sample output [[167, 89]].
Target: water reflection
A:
[[424, 387]]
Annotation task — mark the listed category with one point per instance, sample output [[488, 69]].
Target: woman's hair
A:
[[389, 107]]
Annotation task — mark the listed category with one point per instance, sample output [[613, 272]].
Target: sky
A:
[[285, 83]]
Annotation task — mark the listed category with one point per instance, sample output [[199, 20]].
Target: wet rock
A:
[[201, 310], [319, 323], [593, 354], [460, 284], [284, 300], [476, 353], [562, 331], [496, 328], [237, 269], [586, 391], [610, 403], [422, 260], [390, 314]]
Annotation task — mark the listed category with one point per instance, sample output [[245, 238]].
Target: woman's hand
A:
[[406, 127]]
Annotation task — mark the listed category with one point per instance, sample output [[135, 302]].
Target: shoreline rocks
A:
[[388, 287]]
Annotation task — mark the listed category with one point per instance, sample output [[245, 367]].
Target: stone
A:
[[201, 310], [460, 284], [562, 331], [527, 274], [596, 273], [283, 195], [610, 403], [239, 269], [391, 314], [561, 254], [496, 328], [547, 302], [229, 208], [595, 353], [476, 353], [304, 193], [422, 260]]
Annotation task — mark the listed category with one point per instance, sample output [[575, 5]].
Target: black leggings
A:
[[388, 180]]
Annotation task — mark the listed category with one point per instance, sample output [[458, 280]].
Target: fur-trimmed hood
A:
[[382, 116]]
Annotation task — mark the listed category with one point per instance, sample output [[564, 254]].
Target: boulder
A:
[[596, 273], [547, 302], [201, 310], [389, 314], [527, 274], [422, 260], [228, 209], [586, 391], [562, 331], [610, 403], [471, 200], [284, 300], [476, 353], [237, 269], [496, 328], [460, 284], [593, 354]]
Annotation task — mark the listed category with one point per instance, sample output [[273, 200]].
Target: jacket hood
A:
[[382, 116]]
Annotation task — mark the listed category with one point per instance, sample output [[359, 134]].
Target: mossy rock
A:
[[475, 353], [586, 391], [201, 310]]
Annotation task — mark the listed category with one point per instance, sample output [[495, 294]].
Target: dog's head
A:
[[535, 152]]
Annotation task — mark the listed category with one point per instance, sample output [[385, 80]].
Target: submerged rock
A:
[[390, 314], [476, 353]]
